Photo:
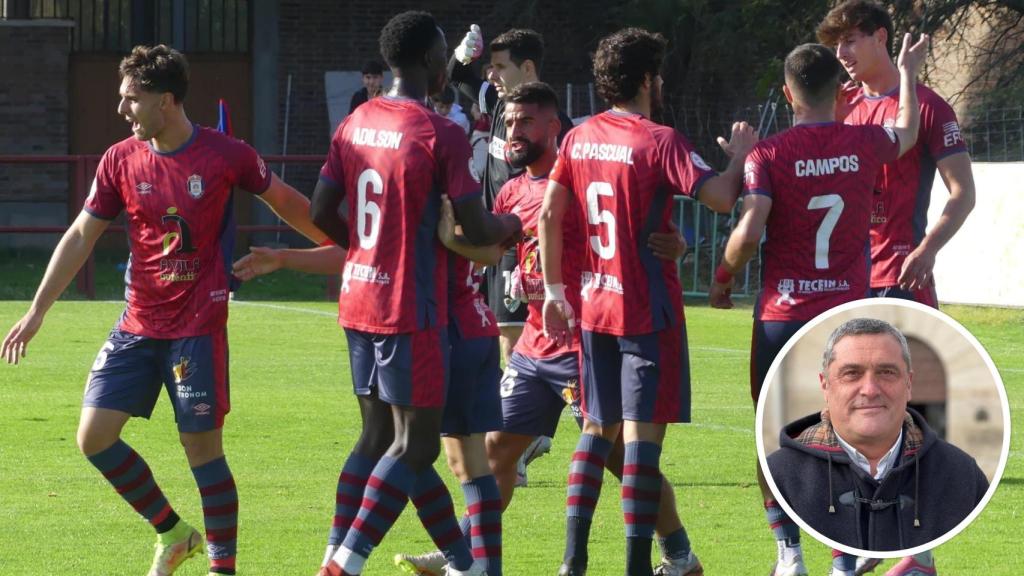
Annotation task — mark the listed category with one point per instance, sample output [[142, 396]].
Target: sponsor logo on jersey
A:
[[826, 166], [363, 273], [698, 161], [786, 287], [902, 249], [820, 285], [602, 152], [195, 186], [750, 173], [951, 134], [377, 138], [219, 295], [176, 270], [482, 310], [183, 369], [143, 188], [878, 214], [597, 281], [202, 409]]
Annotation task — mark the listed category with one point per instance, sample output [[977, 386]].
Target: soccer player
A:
[[517, 56], [810, 188], [902, 254], [390, 162], [619, 170], [174, 179]]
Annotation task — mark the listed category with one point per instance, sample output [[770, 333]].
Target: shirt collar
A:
[[884, 465]]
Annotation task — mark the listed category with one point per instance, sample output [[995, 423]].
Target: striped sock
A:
[[351, 484], [784, 529], [220, 513], [641, 493], [434, 506], [387, 493], [586, 473], [676, 545], [483, 502], [129, 474], [843, 564]]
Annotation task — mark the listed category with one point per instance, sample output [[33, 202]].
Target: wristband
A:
[[328, 242], [722, 276], [554, 292]]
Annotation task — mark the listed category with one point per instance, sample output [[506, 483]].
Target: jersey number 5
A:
[[368, 212], [834, 203], [597, 217]]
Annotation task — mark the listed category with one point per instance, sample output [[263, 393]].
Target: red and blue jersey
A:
[[393, 159], [623, 170], [180, 227], [466, 305], [524, 197], [900, 216], [820, 178]]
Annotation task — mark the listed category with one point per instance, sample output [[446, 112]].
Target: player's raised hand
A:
[[912, 57], [446, 224], [849, 96], [917, 269], [667, 245], [558, 316], [741, 141], [720, 295], [17, 339], [259, 261], [471, 47]]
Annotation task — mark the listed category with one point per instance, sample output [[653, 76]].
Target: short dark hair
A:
[[864, 15], [407, 37], [373, 67], [861, 327], [522, 44], [446, 97], [537, 93], [157, 69], [624, 59], [813, 71]]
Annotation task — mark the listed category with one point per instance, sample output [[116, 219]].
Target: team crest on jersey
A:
[[698, 161], [195, 186], [786, 288], [183, 369]]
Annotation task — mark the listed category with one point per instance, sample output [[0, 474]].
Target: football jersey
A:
[[900, 216], [623, 170], [524, 197], [467, 309], [181, 228], [820, 178], [393, 159]]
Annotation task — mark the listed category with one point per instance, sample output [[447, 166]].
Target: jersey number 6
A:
[[368, 213]]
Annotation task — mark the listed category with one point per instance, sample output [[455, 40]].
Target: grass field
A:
[[295, 418]]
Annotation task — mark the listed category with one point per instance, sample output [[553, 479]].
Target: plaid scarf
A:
[[822, 436]]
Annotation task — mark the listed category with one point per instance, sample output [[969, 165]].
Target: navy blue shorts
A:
[[767, 341], [535, 390], [924, 296], [473, 404], [130, 370], [408, 369], [642, 378]]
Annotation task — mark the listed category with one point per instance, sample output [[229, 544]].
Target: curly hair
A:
[[813, 71], [157, 69], [864, 15], [624, 60], [522, 45], [537, 93], [407, 37]]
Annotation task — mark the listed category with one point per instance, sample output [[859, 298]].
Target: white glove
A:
[[471, 47]]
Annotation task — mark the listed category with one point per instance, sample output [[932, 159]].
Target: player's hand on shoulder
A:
[[471, 47], [740, 142], [259, 261], [850, 95], [912, 57], [720, 295], [669, 245], [17, 339], [917, 272]]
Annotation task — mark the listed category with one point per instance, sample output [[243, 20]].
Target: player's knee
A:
[[92, 441], [417, 452], [457, 465], [373, 444]]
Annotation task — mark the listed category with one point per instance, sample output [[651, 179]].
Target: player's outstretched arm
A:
[[740, 248], [956, 173], [323, 209], [720, 192], [72, 251], [450, 234], [481, 228], [909, 63], [460, 71], [262, 260], [292, 207], [557, 313]]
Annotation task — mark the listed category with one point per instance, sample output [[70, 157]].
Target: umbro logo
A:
[[144, 188], [201, 409]]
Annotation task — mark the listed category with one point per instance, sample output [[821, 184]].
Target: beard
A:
[[657, 103], [529, 154]]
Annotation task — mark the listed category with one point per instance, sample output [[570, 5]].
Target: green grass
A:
[[294, 420]]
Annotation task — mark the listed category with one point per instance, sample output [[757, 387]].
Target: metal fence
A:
[[995, 135]]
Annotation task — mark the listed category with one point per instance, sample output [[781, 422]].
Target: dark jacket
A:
[[931, 488]]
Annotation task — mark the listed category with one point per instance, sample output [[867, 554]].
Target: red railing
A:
[[83, 168]]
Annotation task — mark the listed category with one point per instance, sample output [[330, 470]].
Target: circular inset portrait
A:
[[883, 427]]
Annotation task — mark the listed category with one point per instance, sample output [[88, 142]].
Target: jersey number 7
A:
[[834, 203]]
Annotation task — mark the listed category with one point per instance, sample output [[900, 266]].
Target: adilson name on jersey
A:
[[377, 138]]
